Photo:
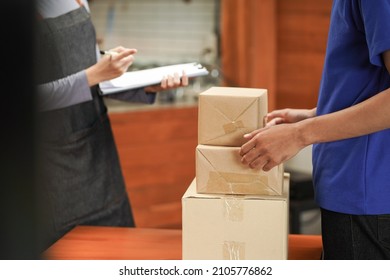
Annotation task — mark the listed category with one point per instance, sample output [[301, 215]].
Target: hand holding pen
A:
[[120, 59], [112, 64], [107, 52]]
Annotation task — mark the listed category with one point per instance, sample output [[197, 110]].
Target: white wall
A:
[[302, 162], [163, 31]]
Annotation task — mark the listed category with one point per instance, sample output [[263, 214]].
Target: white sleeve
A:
[[55, 8], [65, 92]]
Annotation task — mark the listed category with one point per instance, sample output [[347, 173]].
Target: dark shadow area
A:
[[18, 227]]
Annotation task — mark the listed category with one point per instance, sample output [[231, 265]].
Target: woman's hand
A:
[[111, 65], [117, 61], [169, 82]]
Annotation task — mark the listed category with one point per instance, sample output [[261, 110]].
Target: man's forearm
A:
[[364, 118]]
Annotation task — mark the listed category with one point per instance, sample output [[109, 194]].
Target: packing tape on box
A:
[[233, 208], [233, 250], [235, 183], [238, 124], [232, 126], [233, 211]]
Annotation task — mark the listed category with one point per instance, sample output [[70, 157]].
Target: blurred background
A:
[[274, 44], [164, 32]]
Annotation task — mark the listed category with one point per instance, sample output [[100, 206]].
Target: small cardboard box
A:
[[231, 227], [227, 113], [219, 170]]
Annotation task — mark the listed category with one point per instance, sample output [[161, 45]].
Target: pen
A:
[[107, 52]]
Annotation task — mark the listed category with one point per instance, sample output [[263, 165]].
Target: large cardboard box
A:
[[231, 227], [219, 170], [227, 113]]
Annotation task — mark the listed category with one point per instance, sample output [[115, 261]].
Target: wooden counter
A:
[[114, 243]]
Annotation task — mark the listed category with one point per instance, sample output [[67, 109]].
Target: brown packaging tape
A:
[[236, 183], [233, 250], [233, 126]]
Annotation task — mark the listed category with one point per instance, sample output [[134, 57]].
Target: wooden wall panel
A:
[[276, 44], [157, 154], [248, 45], [302, 31]]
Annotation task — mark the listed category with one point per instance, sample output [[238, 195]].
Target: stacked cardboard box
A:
[[231, 211], [219, 170], [235, 227], [225, 115]]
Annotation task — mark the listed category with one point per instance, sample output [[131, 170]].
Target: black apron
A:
[[81, 180]]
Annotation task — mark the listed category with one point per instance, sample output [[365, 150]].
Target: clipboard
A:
[[142, 78]]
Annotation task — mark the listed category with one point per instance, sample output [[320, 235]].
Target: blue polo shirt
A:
[[353, 176]]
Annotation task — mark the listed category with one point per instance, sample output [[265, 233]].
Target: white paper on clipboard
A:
[[147, 77]]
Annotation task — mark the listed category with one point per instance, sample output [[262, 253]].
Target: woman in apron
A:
[[80, 174]]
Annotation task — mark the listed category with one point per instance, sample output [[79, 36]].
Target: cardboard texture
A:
[[227, 113], [219, 170], [232, 227]]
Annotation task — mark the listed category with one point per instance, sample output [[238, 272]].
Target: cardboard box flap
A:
[[219, 170], [226, 114], [222, 106], [192, 192]]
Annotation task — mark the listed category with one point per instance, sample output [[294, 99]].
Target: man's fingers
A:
[[247, 148]]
